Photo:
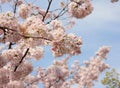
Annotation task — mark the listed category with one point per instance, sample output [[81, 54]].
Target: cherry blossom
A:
[[114, 1], [70, 44], [24, 10], [80, 8], [27, 29]]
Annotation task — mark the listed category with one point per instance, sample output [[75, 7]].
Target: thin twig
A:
[[61, 13], [21, 59], [55, 10], [15, 7]]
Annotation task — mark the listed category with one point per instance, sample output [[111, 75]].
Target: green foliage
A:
[[111, 79]]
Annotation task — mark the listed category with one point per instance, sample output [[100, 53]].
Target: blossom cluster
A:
[[8, 77], [58, 75], [8, 20], [26, 10], [69, 44], [17, 2], [3, 1], [85, 75], [55, 76], [114, 1], [80, 8], [12, 55]]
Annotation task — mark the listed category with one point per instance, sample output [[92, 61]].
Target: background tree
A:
[[111, 79]]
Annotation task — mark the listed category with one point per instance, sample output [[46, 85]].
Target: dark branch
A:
[[21, 59], [10, 45], [24, 36], [3, 28], [47, 10], [15, 7], [27, 36]]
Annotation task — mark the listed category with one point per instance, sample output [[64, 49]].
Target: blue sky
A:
[[102, 27]]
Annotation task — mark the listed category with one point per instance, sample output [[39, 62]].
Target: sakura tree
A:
[[27, 28]]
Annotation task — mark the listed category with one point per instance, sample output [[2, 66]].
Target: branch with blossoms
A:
[[28, 28], [58, 73], [14, 11], [22, 35], [21, 60]]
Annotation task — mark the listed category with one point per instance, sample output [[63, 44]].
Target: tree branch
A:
[[27, 36], [22, 35], [47, 10], [15, 7], [10, 45], [21, 59]]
